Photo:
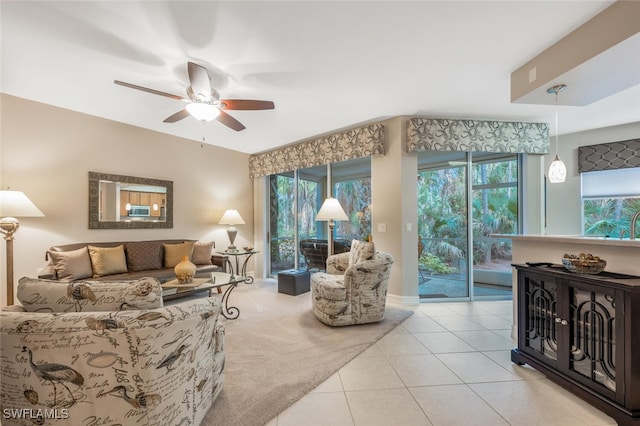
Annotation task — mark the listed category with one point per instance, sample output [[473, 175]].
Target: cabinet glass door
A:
[[541, 301], [593, 336]]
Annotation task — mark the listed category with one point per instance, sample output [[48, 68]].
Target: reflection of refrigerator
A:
[[163, 213]]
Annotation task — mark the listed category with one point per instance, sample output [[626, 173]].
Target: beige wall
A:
[[564, 207], [47, 153], [395, 207]]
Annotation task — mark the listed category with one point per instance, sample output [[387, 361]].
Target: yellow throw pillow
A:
[[108, 260], [173, 253]]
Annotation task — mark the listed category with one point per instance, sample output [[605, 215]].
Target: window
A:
[[296, 197], [609, 200]]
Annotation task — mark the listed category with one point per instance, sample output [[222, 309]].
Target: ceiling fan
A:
[[203, 101]]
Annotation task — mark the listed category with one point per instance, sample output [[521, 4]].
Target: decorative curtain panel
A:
[[355, 143], [434, 134], [609, 156]]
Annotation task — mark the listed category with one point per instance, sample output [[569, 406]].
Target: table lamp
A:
[[13, 204], [331, 211], [231, 217]]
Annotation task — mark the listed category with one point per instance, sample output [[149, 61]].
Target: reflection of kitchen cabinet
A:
[[581, 331], [124, 199], [137, 198], [156, 199], [145, 199], [134, 198]]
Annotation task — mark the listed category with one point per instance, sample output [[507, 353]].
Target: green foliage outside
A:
[[354, 196], [442, 214], [434, 265], [610, 216]]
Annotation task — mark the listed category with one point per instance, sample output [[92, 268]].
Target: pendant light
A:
[[557, 169]]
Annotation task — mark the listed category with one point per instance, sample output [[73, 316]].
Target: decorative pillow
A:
[[37, 295], [173, 253], [202, 253], [108, 260], [144, 256], [360, 251], [71, 265]]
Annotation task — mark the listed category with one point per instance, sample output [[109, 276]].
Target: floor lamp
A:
[[13, 204], [331, 211]]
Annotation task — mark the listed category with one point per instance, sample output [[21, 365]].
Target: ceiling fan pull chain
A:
[[203, 141]]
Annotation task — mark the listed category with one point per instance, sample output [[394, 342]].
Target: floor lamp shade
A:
[[330, 211], [13, 204], [231, 217]]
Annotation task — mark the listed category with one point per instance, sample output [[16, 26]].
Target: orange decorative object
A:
[[185, 270]]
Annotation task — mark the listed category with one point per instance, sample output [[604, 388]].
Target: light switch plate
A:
[[382, 227]]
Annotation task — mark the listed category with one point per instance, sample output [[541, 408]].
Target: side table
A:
[[237, 254]]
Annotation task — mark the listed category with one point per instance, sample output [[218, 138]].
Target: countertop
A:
[[605, 276], [574, 239]]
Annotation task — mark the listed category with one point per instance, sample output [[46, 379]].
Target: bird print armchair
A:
[[354, 288], [64, 363]]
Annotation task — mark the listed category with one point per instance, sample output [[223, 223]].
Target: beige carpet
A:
[[277, 351]]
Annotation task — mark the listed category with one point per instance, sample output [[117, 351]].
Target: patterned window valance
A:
[[356, 143], [609, 156], [433, 134]]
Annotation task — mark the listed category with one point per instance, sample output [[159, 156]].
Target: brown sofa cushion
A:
[[107, 260], [71, 265], [202, 253], [144, 255]]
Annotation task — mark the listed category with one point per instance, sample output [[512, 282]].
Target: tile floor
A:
[[448, 364]]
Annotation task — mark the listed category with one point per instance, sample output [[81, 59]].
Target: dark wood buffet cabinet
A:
[[583, 332]]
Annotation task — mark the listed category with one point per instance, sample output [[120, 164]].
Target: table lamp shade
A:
[[17, 204], [331, 210], [231, 217]]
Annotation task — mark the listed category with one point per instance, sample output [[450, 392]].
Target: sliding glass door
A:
[[282, 218], [296, 197], [442, 225], [456, 189]]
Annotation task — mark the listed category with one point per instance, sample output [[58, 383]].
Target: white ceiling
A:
[[326, 65]]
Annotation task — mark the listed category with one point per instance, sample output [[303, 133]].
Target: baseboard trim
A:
[[404, 300]]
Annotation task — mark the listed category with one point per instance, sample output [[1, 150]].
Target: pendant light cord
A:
[[556, 123]]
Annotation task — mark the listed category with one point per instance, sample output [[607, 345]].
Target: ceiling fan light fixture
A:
[[203, 112]]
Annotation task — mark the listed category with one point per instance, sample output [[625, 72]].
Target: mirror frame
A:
[[94, 202]]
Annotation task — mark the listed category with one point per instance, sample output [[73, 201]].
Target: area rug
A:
[[277, 351]]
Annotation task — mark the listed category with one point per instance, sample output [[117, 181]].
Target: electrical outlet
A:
[[382, 227]]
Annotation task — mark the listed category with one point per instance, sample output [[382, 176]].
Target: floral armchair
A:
[[108, 353], [354, 288]]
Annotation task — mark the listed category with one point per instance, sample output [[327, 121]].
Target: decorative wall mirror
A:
[[129, 202]]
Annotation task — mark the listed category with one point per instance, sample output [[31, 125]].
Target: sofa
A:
[[128, 260], [107, 353], [353, 290]]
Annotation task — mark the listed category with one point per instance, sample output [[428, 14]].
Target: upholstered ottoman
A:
[[293, 282]]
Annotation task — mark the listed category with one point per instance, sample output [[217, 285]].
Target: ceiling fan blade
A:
[[200, 81], [145, 89], [245, 104], [177, 116], [229, 121]]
